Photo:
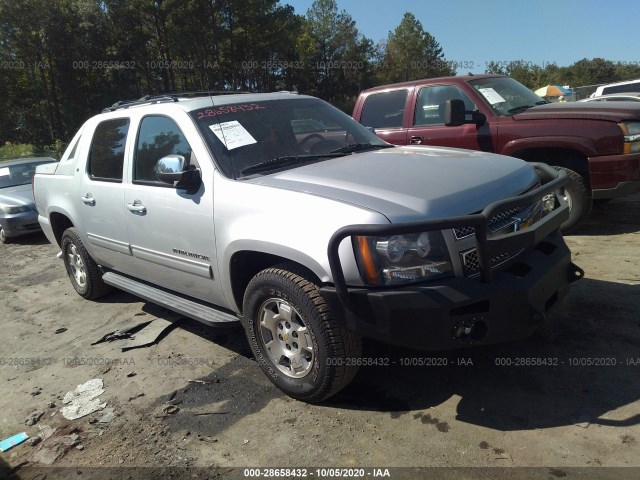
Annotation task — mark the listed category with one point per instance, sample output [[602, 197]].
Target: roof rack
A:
[[146, 100], [167, 97]]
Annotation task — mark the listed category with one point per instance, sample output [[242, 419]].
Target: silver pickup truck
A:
[[283, 213]]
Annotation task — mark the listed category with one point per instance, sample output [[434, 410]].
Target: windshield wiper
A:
[[519, 109], [358, 147], [286, 161]]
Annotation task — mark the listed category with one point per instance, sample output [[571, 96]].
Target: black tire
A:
[[3, 236], [336, 351], [77, 258], [578, 195]]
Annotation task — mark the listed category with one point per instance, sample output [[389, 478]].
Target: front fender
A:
[[579, 144]]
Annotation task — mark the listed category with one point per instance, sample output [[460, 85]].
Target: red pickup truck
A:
[[597, 144]]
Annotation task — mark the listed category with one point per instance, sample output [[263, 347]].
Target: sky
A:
[[474, 32]]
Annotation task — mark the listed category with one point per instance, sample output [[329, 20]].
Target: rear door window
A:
[[106, 157], [384, 110]]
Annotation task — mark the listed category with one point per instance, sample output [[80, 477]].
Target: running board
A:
[[188, 308]]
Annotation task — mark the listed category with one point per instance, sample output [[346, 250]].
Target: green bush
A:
[[16, 150]]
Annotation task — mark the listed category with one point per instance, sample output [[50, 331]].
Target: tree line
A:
[[583, 76], [62, 61]]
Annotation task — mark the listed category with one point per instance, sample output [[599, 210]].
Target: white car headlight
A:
[[401, 259]]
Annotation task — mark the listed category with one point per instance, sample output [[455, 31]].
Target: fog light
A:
[[548, 203]]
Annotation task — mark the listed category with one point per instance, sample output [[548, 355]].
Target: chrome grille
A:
[[498, 222], [471, 264], [463, 232]]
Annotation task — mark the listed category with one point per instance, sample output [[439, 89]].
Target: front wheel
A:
[[296, 341], [3, 236], [578, 196], [84, 273]]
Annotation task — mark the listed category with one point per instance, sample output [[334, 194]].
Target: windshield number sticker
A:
[[232, 134], [4, 172], [229, 109], [491, 95]]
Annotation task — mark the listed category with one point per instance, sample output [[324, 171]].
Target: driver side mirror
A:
[[172, 169], [455, 114]]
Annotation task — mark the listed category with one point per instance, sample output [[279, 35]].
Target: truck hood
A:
[[609, 111], [411, 183], [20, 195]]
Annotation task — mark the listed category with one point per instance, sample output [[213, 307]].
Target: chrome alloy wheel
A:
[[286, 337], [566, 196], [77, 266]]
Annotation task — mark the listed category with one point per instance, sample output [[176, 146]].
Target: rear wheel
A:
[[296, 341], [84, 273], [578, 196]]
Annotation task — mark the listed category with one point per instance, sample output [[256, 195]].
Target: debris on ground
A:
[[122, 333], [149, 334], [60, 330], [45, 433], [109, 415], [167, 410], [36, 391], [83, 400], [9, 443], [57, 447], [70, 440], [97, 432], [33, 441], [34, 418], [131, 374]]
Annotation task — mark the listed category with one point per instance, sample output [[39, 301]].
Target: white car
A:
[[615, 97]]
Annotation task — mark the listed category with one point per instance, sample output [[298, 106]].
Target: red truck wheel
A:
[[578, 196]]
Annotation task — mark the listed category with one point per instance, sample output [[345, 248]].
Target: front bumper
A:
[[614, 176], [501, 305], [20, 223], [459, 312]]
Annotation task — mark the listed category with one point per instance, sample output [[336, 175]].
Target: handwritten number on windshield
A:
[[212, 112]]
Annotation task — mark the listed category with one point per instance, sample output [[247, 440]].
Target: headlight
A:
[[13, 209], [400, 259], [631, 132]]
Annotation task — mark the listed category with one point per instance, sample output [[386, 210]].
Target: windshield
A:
[[505, 95], [20, 174], [244, 135]]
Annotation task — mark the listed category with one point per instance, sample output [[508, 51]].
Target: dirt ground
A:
[[486, 407]]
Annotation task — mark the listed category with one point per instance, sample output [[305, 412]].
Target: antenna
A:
[[206, 76]]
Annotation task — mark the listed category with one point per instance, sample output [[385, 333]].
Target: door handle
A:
[[417, 140], [136, 207], [88, 199]]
